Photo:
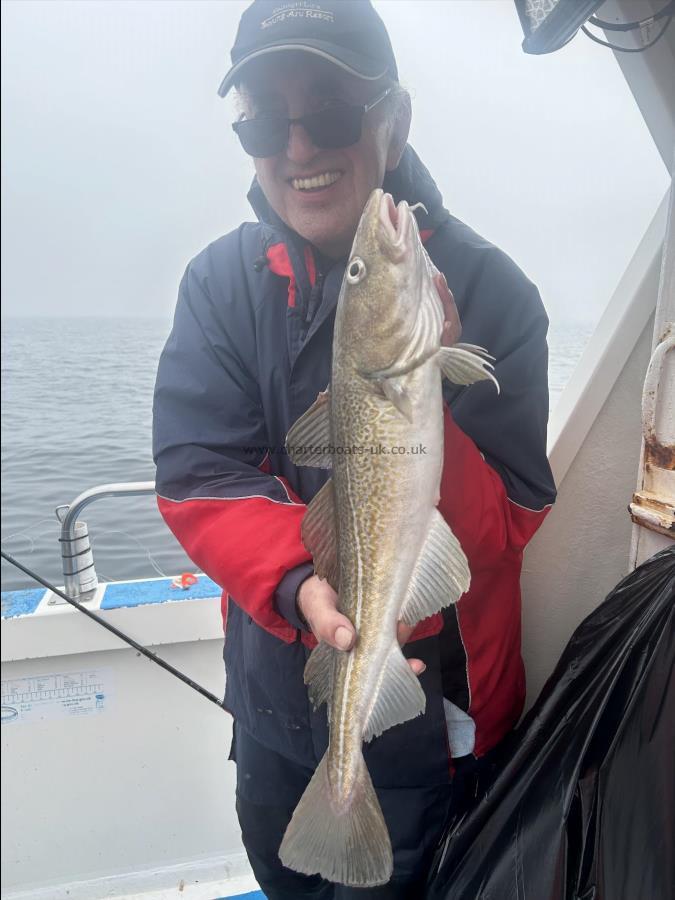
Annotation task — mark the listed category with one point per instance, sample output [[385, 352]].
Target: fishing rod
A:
[[116, 631]]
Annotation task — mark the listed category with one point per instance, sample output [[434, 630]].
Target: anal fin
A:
[[394, 390], [441, 574], [319, 536], [398, 695], [319, 674]]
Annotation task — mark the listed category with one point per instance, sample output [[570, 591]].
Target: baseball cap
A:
[[348, 33]]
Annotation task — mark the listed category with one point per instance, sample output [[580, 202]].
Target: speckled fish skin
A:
[[374, 530], [383, 499]]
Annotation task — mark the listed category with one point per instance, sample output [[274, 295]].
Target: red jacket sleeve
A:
[[237, 522], [245, 545]]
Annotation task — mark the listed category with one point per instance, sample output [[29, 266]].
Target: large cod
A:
[[374, 530]]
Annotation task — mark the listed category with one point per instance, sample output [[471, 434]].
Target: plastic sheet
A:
[[579, 802]]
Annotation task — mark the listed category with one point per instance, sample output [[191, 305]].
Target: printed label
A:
[[300, 9], [61, 695]]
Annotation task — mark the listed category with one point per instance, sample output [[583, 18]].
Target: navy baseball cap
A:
[[348, 33]]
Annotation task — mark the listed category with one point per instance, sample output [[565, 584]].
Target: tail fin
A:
[[350, 846]]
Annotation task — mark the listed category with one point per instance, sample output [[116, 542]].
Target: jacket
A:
[[249, 350]]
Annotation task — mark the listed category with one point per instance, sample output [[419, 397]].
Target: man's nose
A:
[[300, 148]]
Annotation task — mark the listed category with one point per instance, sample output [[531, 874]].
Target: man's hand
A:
[[452, 329], [317, 601]]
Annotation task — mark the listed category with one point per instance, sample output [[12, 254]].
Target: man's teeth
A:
[[317, 181]]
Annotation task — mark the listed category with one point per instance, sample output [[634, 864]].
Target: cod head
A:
[[389, 309]]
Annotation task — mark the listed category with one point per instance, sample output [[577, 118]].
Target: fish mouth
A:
[[394, 223]]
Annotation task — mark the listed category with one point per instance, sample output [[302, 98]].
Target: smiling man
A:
[[321, 196], [326, 121]]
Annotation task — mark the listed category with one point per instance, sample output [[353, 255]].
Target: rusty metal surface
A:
[[653, 505], [660, 456], [653, 512]]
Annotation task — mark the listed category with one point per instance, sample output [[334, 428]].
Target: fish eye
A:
[[356, 270]]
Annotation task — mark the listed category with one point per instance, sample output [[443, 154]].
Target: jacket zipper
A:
[[313, 303]]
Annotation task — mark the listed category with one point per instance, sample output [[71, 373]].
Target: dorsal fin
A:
[[308, 438]]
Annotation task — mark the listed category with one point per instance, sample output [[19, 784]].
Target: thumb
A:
[[343, 637], [331, 626]]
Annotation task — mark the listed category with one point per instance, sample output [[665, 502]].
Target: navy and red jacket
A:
[[249, 351]]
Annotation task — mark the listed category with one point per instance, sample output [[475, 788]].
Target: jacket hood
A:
[[410, 181]]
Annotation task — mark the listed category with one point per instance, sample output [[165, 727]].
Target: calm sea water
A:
[[77, 410]]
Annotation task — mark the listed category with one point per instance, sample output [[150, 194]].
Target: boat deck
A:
[[90, 724]]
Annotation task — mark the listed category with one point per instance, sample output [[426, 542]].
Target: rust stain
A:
[[649, 511], [661, 456], [667, 528]]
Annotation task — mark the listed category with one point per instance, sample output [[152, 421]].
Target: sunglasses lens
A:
[[333, 128], [329, 129], [262, 137]]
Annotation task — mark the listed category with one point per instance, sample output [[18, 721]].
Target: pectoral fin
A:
[[474, 348], [308, 438], [319, 536], [464, 366], [394, 390], [441, 574]]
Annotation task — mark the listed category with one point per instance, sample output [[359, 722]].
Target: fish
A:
[[374, 530]]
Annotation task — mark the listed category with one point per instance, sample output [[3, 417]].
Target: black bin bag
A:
[[579, 803]]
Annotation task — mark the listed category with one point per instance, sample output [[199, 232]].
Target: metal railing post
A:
[[69, 554]]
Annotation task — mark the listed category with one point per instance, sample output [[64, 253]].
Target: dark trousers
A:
[[269, 787]]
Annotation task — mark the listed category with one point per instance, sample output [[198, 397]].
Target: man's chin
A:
[[330, 241], [330, 245]]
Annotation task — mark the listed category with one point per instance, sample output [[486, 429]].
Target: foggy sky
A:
[[119, 163]]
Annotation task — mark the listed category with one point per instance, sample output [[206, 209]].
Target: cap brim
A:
[[353, 63]]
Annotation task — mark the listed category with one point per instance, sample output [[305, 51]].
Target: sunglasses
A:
[[329, 129]]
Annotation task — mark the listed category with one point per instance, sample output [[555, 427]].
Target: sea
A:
[[77, 412]]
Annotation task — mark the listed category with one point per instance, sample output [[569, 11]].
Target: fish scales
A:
[[375, 527], [380, 537]]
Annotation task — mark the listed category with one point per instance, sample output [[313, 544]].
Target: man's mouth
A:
[[316, 182]]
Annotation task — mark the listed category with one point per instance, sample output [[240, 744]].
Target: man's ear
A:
[[400, 131]]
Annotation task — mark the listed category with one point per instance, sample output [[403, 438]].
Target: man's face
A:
[[292, 85]]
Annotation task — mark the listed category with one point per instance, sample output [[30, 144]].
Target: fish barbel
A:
[[373, 529]]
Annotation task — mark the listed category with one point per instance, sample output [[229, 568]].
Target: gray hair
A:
[[397, 99]]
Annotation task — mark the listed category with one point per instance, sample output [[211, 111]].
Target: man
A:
[[326, 122]]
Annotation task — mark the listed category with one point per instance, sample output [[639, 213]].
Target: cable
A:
[[24, 532], [120, 634], [151, 559], [667, 11]]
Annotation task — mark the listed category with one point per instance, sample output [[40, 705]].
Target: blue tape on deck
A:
[[138, 593], [21, 603], [253, 895]]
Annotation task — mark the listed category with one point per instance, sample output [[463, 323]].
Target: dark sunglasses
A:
[[329, 129]]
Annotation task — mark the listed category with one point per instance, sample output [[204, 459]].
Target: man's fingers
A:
[[317, 602], [343, 637], [417, 666], [332, 627], [404, 632]]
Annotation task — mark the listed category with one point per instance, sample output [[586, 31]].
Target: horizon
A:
[[121, 166]]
